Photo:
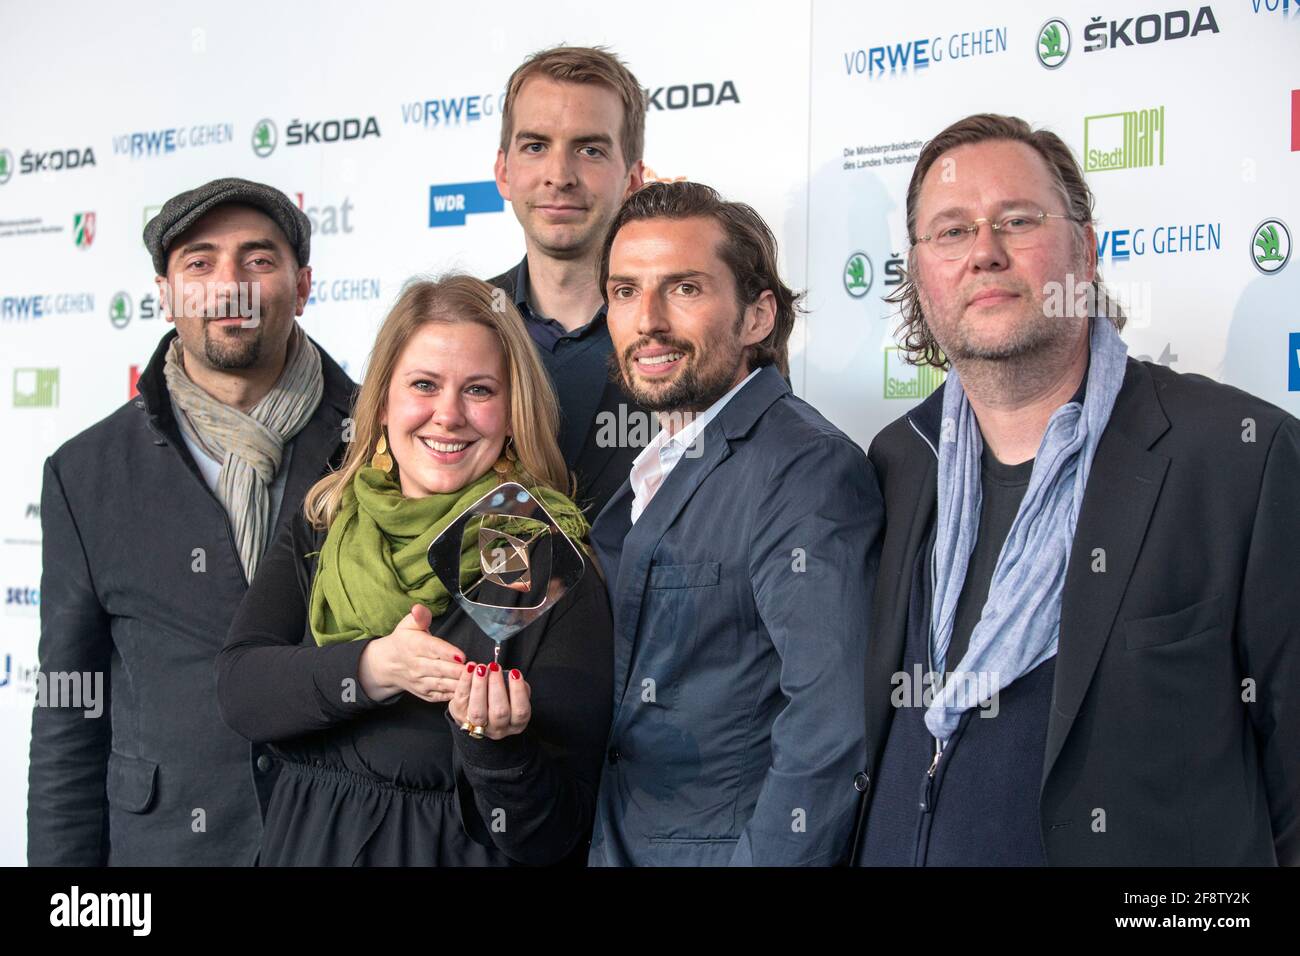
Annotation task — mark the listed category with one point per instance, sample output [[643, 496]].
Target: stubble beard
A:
[[699, 383], [1032, 336], [1038, 344]]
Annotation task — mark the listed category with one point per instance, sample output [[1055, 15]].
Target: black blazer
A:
[[600, 467], [742, 592], [1175, 708], [139, 582]]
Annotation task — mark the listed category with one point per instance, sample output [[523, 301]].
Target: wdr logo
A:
[[450, 204]]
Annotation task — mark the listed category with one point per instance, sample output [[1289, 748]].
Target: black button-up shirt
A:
[[576, 360], [549, 334]]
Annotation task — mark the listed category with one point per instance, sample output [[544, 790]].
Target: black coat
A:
[[158, 779], [600, 467], [1193, 503], [397, 783]]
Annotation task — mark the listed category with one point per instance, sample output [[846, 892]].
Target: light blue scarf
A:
[[1021, 621]]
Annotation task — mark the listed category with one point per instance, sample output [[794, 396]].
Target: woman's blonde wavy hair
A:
[[534, 411]]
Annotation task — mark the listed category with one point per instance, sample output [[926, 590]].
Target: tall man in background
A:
[[572, 135], [154, 521]]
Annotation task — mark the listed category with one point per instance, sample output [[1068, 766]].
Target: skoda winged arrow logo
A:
[[1053, 43], [6, 166], [858, 275], [264, 138], [119, 310], [1271, 246]]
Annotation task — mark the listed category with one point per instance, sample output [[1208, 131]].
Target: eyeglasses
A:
[[1019, 230]]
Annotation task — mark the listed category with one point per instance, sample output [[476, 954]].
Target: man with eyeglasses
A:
[[1086, 632]]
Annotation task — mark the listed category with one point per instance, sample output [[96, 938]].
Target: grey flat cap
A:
[[184, 210]]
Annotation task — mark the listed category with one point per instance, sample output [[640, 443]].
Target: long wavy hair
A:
[[918, 343], [534, 411]]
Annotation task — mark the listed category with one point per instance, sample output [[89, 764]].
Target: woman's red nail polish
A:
[[458, 659], [482, 671], [515, 675], [469, 668], [494, 667]]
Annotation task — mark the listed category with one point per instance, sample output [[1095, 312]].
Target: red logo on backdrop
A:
[[1295, 121], [135, 377]]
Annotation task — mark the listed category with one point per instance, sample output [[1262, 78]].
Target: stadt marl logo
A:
[[36, 388], [6, 166], [83, 229], [858, 275], [905, 380], [264, 138], [1053, 43], [1270, 246], [1129, 140]]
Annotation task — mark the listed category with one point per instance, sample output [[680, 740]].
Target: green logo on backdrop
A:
[[903, 380], [1124, 140], [1271, 246], [858, 275], [1053, 43], [36, 387], [264, 138], [119, 310]]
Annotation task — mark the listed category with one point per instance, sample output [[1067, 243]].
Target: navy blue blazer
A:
[[741, 606]]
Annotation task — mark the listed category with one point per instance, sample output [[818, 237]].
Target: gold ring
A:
[[474, 730]]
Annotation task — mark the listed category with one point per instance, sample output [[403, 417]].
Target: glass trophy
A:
[[519, 547]]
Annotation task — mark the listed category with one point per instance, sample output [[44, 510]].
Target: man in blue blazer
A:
[[739, 555]]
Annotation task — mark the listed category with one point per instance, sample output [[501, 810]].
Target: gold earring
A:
[[381, 459], [506, 463]]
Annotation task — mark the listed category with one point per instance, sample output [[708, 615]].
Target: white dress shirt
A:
[[651, 468]]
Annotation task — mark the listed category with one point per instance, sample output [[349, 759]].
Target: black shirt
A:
[[395, 783], [1002, 488], [550, 334], [575, 359], [599, 433]]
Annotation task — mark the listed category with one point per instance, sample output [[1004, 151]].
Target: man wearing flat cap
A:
[[154, 521]]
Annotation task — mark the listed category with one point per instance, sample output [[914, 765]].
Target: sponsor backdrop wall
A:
[[383, 125]]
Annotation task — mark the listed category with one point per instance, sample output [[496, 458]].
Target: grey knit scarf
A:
[[1021, 620], [249, 446]]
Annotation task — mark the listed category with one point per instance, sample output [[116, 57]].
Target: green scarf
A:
[[374, 563]]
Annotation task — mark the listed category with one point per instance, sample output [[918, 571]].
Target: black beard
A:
[[235, 353], [694, 389]]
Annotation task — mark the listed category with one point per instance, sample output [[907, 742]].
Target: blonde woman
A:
[[351, 660]]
